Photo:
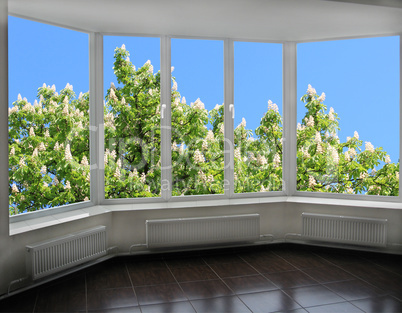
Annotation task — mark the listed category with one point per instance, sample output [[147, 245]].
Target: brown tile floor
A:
[[272, 278]]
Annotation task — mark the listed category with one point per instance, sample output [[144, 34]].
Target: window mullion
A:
[[166, 153], [96, 118], [228, 117], [289, 117]]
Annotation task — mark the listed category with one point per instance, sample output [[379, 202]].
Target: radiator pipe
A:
[[16, 281], [267, 235], [137, 245], [292, 234]]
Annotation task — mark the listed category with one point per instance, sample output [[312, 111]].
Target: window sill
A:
[[21, 226]]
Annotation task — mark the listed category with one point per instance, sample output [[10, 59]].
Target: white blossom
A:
[[143, 178], [86, 199], [43, 169], [35, 152], [171, 69], [311, 91], [349, 190], [251, 157], [369, 147], [21, 162], [69, 87], [204, 144], [174, 87], [387, 159], [202, 176], [347, 156], [67, 186], [322, 97], [12, 151], [261, 160], [67, 153], [210, 178], [19, 98], [311, 181], [277, 159], [198, 157], [348, 139], [112, 95], [123, 46], [352, 152], [356, 135], [42, 147], [65, 110], [317, 138], [183, 100], [310, 122], [123, 101], [363, 175], [45, 184], [331, 116], [222, 129], [319, 148], [31, 132], [84, 161], [117, 173], [237, 153], [14, 188], [397, 175], [55, 181], [272, 106], [118, 163], [210, 135], [198, 105]]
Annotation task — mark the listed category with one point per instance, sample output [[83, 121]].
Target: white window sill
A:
[[19, 226]]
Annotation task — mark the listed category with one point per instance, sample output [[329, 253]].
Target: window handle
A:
[[163, 108], [232, 109]]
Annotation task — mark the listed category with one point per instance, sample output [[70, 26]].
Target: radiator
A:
[[345, 229], [202, 230], [54, 255]]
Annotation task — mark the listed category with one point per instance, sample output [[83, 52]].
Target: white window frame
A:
[[289, 52]]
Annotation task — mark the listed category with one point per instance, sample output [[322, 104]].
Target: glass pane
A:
[[258, 117], [348, 131], [48, 125], [197, 117], [132, 117]]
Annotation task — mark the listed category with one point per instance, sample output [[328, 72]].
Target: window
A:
[[48, 125], [348, 135], [132, 117], [197, 117], [258, 118]]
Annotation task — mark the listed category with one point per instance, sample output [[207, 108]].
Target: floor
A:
[[271, 278]]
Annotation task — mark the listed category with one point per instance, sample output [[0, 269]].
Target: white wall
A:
[[126, 228]]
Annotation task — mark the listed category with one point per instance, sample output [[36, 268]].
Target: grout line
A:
[[132, 286], [177, 282]]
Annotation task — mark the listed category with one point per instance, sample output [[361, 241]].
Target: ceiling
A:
[[273, 20]]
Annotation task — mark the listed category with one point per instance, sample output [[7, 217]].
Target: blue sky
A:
[[360, 77]]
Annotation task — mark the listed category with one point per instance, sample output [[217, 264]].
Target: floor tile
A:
[[173, 307], [383, 304], [249, 284], [60, 300], [326, 274], [23, 302], [233, 269], [302, 259], [130, 309], [271, 264], [343, 307], [108, 277], [205, 289], [313, 295], [270, 301], [159, 294], [291, 279], [194, 273], [111, 298], [136, 265], [222, 304], [184, 262], [151, 277], [222, 258], [354, 289]]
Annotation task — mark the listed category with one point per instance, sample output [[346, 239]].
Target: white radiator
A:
[[54, 255], [345, 229], [202, 230]]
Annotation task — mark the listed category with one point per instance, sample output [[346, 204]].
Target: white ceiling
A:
[[274, 20]]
